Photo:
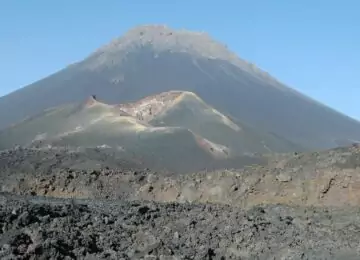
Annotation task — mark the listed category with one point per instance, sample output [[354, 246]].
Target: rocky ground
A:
[[329, 178], [61, 204], [38, 228]]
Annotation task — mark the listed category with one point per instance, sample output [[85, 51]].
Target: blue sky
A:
[[313, 46]]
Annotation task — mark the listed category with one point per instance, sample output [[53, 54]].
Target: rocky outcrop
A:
[[330, 178]]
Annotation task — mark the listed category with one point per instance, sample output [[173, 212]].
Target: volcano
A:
[[152, 59]]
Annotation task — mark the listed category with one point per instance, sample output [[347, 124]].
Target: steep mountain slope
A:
[[131, 129], [153, 59]]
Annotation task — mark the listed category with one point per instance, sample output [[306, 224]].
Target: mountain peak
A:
[[163, 38], [163, 30]]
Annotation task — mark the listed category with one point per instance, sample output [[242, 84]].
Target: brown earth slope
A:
[[330, 178]]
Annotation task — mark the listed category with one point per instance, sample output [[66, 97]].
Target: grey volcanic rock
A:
[[119, 212], [152, 59], [38, 228]]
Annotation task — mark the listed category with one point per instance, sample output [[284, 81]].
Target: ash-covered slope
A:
[[186, 109], [153, 59], [140, 131]]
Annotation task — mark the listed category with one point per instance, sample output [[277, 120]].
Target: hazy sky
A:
[[311, 45]]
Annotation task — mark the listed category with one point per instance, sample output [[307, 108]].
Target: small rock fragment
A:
[[282, 177]]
